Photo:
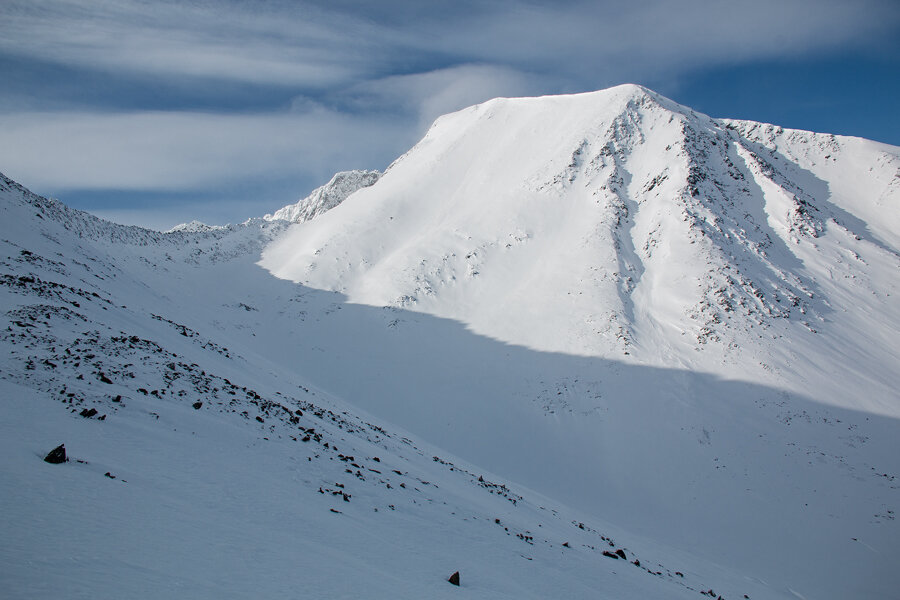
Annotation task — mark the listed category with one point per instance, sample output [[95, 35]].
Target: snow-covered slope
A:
[[200, 465], [557, 336], [620, 224], [326, 197], [659, 245]]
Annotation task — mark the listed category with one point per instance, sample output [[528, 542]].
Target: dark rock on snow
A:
[[57, 455], [454, 579]]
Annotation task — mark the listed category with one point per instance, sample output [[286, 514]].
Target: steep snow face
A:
[[326, 197], [620, 224], [517, 463]]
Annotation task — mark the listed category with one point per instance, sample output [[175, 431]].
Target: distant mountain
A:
[[193, 227], [590, 346], [326, 197]]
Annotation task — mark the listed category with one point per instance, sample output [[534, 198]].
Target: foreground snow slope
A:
[[199, 467], [775, 480]]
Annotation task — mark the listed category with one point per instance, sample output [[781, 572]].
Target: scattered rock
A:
[[87, 413], [110, 475], [197, 405], [609, 554], [621, 554], [57, 455], [454, 579]]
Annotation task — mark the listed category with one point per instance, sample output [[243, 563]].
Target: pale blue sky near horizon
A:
[[156, 113]]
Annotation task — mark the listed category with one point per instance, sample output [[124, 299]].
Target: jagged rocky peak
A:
[[326, 197]]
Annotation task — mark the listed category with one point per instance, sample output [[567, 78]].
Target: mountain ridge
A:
[[622, 179], [763, 465], [326, 197]]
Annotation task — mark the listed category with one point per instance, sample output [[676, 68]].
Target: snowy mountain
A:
[[620, 224], [555, 329], [193, 227], [326, 197]]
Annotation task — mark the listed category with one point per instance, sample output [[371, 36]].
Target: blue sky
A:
[[157, 112]]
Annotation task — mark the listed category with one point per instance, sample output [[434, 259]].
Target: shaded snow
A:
[[470, 331]]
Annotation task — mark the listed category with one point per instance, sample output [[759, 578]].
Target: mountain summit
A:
[[620, 224]]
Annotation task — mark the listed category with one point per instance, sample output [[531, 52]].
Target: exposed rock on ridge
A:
[[326, 197]]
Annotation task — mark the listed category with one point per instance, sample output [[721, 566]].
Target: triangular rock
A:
[[454, 579], [57, 455]]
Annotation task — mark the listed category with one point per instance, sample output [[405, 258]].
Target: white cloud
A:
[[332, 45], [603, 41], [180, 150], [227, 41], [434, 93]]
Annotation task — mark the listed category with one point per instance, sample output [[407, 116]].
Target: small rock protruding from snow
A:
[[454, 579], [326, 197], [57, 455]]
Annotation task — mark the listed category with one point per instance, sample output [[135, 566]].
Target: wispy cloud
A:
[[181, 150], [431, 94], [322, 44], [584, 40], [303, 47], [355, 83]]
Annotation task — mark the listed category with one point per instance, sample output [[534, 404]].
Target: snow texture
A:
[[556, 329]]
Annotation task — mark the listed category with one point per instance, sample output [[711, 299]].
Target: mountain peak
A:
[[633, 226], [326, 197]]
